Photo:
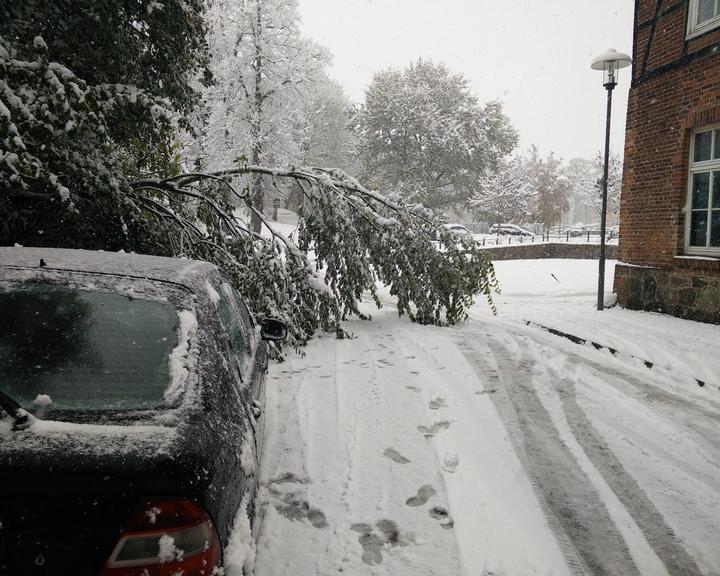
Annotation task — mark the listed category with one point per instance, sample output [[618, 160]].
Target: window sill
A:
[[698, 257]]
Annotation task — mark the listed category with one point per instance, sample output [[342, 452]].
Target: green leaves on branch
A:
[[349, 240]]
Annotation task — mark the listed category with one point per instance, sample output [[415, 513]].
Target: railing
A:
[[586, 237]]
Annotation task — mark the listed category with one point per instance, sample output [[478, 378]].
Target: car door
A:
[[247, 353]]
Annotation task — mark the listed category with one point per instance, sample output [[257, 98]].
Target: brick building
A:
[[669, 256]]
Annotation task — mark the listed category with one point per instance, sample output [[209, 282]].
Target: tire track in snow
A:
[[485, 362], [655, 530], [498, 522], [659, 535], [569, 498]]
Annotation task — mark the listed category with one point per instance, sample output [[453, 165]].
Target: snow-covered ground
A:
[[495, 447]]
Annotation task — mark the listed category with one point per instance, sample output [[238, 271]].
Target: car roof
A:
[[189, 273]]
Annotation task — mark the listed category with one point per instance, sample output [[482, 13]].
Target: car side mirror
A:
[[273, 330]]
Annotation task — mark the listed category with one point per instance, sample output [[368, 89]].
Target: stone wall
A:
[[686, 293], [555, 250]]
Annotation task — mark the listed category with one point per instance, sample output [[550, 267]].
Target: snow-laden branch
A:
[[349, 238]]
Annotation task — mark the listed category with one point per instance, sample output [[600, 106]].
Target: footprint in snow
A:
[[450, 461], [288, 478], [422, 496], [430, 431], [439, 513], [437, 403], [297, 510], [396, 456], [386, 535]]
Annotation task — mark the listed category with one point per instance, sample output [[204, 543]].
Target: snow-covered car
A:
[[576, 230], [457, 229], [131, 391], [584, 230], [509, 230]]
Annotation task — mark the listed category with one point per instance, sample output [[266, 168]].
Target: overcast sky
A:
[[533, 54]]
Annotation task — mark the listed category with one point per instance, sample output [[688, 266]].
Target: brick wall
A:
[[676, 88]]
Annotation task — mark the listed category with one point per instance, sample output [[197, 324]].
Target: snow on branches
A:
[[349, 239], [90, 165], [503, 195], [54, 142]]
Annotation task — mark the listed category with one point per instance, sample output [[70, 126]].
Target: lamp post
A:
[[609, 62]]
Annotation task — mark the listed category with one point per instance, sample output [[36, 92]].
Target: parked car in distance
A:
[[457, 229], [576, 230], [584, 230], [509, 230], [131, 388]]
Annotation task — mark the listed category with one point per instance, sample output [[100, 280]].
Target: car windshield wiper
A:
[[19, 415]]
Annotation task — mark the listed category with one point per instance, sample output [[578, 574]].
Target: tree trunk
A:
[[257, 193]]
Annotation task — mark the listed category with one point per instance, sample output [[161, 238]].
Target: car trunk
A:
[[63, 521], [64, 515]]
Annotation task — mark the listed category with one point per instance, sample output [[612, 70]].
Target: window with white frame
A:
[[703, 214], [703, 16]]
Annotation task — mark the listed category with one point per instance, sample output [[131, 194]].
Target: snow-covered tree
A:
[[325, 122], [550, 187], [586, 181], [263, 69], [90, 96], [79, 168], [503, 195], [424, 134], [614, 188], [358, 238]]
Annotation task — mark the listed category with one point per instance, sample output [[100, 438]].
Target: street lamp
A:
[[609, 62]]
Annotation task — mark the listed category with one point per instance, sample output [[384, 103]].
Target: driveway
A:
[[495, 447]]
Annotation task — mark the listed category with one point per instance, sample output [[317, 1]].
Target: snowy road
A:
[[493, 448]]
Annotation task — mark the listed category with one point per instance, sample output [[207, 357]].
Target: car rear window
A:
[[84, 350]]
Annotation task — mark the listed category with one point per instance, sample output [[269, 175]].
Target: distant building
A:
[[670, 212]]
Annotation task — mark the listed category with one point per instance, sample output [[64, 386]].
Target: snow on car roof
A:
[[190, 273]]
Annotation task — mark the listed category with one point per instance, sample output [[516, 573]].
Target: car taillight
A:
[[164, 538]]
